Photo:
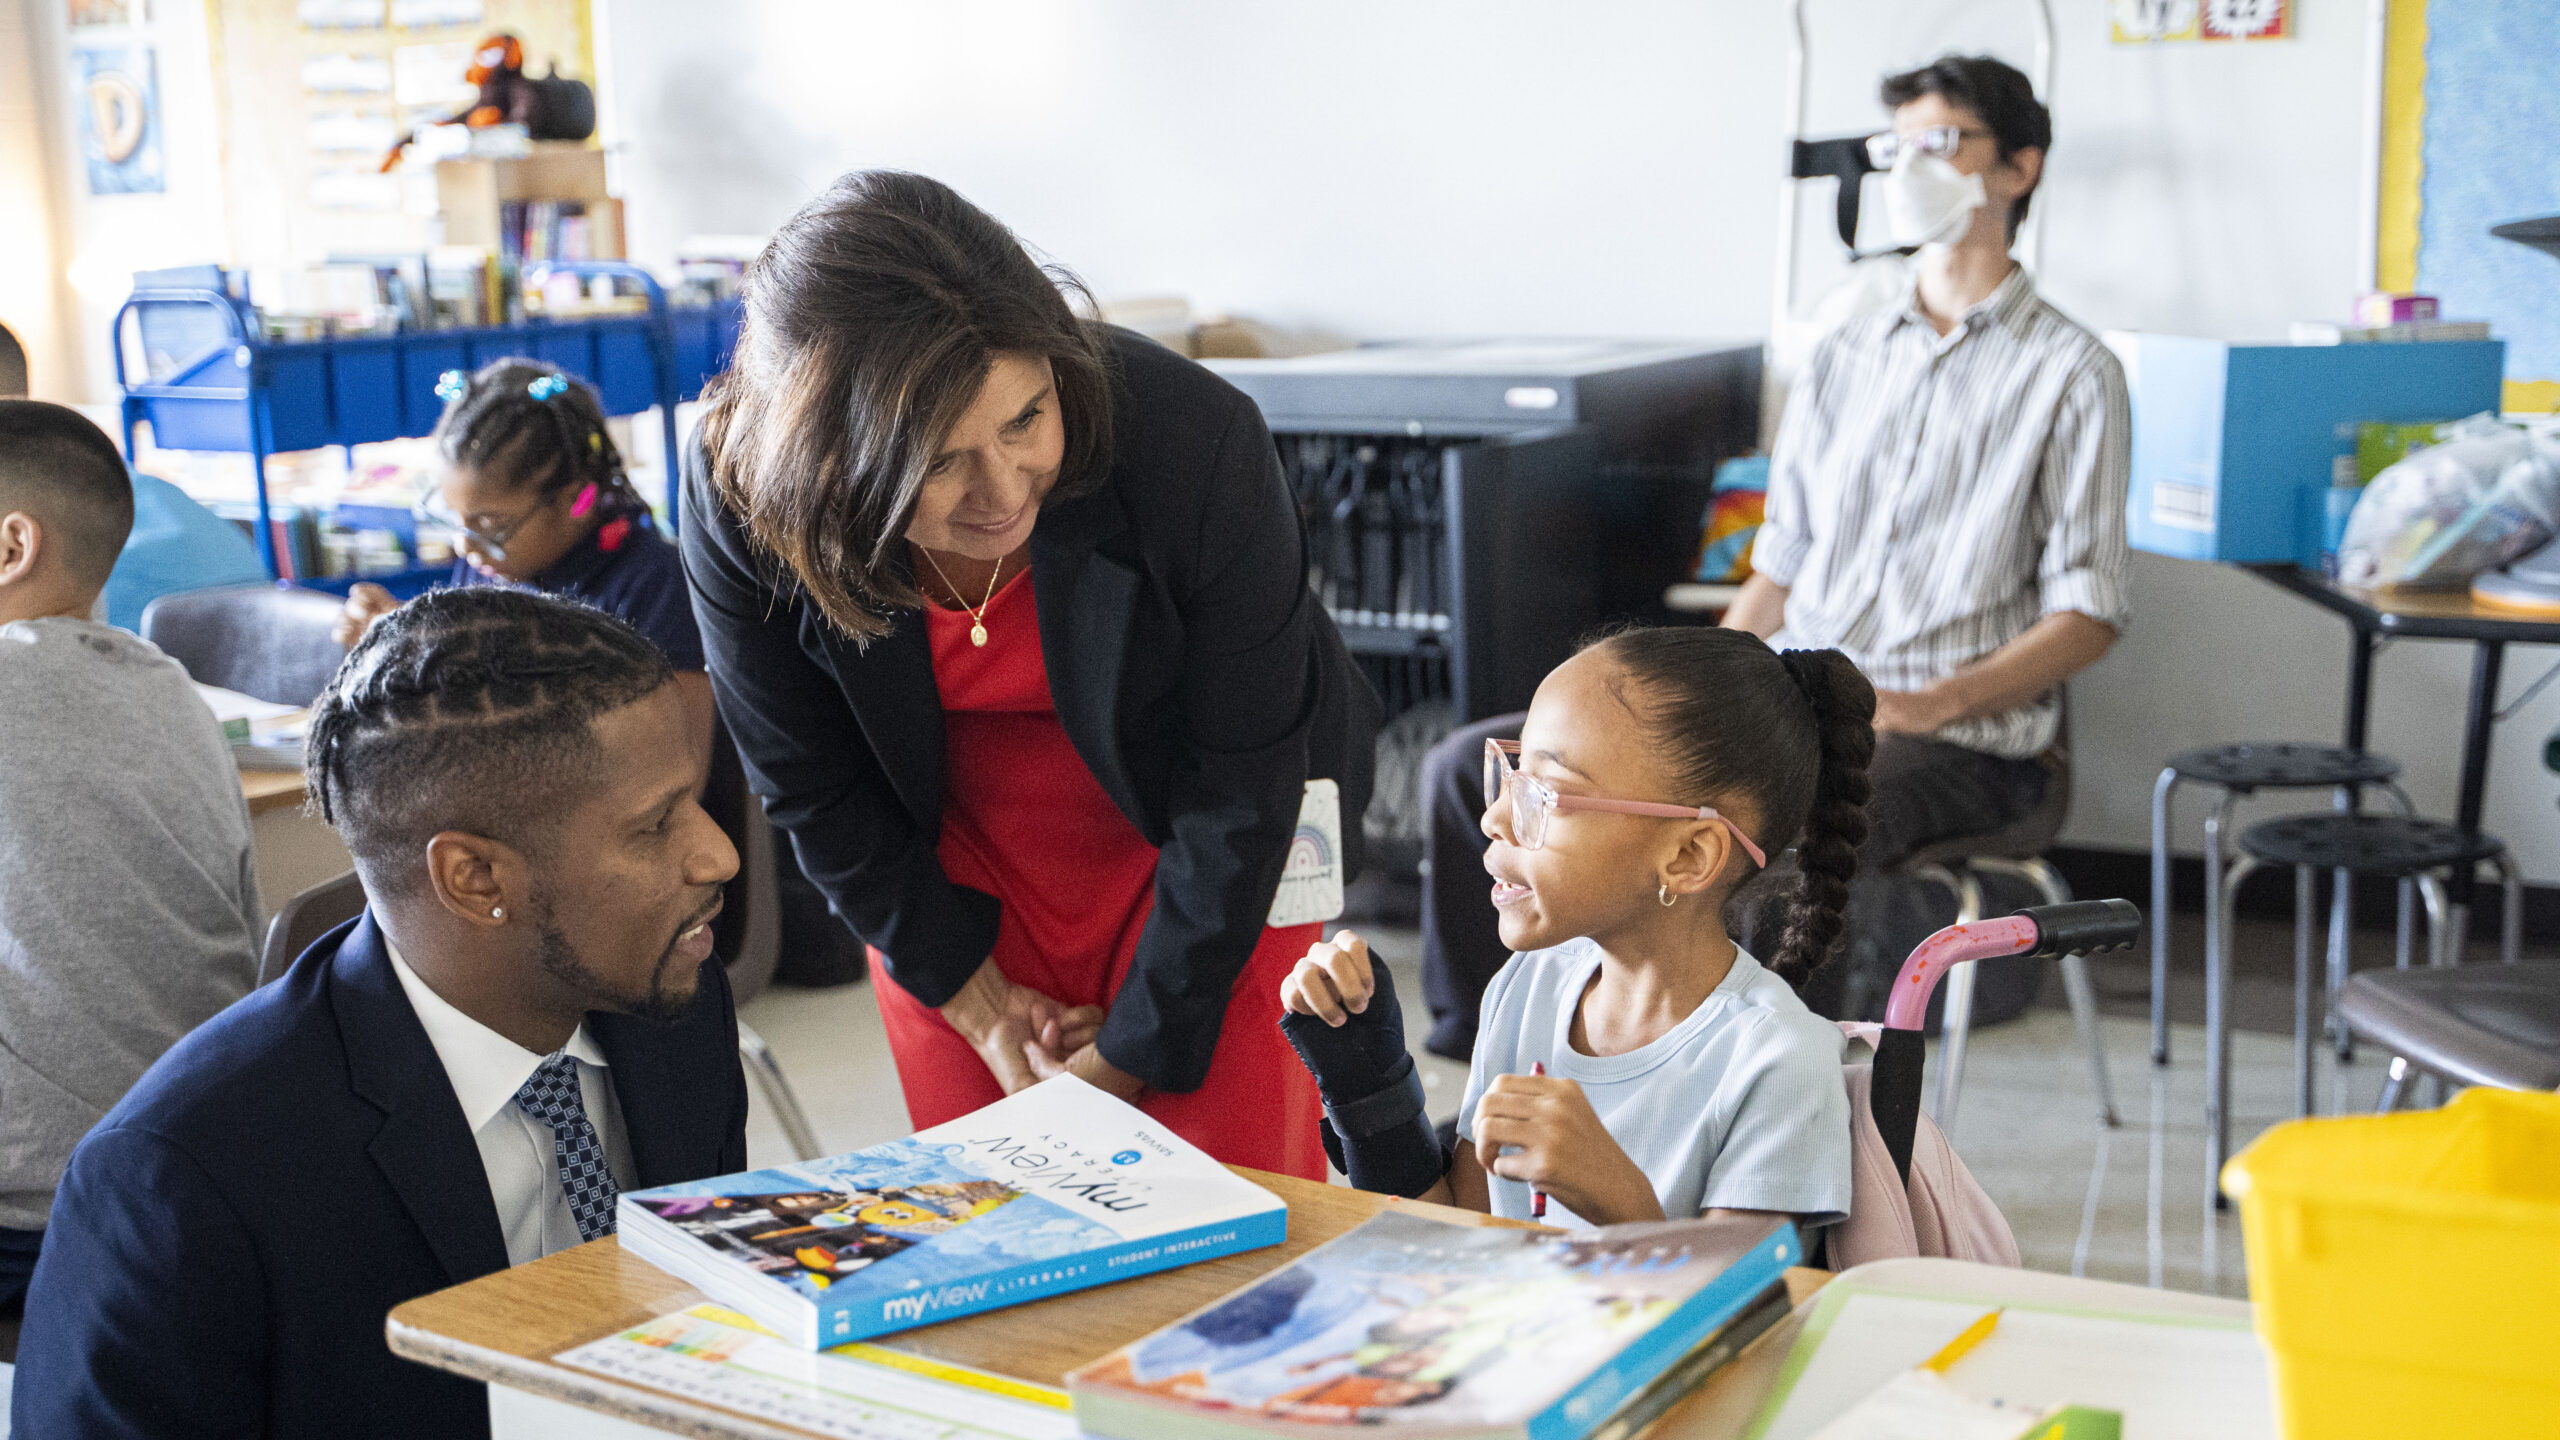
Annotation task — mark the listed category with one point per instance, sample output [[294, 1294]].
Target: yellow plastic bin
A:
[[2406, 1268]]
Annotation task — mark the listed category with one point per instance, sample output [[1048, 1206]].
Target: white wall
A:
[[98, 241], [31, 294]]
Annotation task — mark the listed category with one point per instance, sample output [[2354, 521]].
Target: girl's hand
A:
[[366, 603], [1333, 983], [1542, 1129], [1005, 1022]]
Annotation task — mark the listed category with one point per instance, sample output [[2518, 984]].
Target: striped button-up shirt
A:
[[1932, 496]]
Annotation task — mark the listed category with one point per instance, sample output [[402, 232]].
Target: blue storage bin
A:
[[213, 419], [626, 366], [424, 360], [292, 385], [364, 382], [2236, 447]]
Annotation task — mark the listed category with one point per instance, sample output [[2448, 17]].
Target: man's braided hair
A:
[[470, 710]]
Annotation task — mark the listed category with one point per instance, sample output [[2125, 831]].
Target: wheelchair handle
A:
[[2045, 931]]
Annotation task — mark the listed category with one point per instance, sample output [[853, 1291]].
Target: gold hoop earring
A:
[[1663, 892]]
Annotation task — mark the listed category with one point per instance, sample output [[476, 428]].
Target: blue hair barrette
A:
[[546, 386], [451, 384]]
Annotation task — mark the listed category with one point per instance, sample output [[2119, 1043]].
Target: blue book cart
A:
[[243, 394]]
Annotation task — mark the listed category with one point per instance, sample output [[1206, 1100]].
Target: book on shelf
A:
[[1427, 1329], [1051, 1189]]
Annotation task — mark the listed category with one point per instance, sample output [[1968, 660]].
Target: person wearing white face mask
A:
[[1946, 498]]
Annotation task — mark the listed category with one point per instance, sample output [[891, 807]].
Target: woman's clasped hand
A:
[[1025, 1036]]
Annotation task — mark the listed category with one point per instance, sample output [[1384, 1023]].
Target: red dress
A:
[[1024, 820]]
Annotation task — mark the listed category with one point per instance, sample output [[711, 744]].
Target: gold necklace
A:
[[977, 617]]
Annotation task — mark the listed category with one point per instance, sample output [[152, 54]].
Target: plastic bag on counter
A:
[[2486, 495]]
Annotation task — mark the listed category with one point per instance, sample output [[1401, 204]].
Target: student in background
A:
[[534, 487], [177, 545], [525, 1021], [128, 899], [1634, 1062]]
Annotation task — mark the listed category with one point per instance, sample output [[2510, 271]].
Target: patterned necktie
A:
[[551, 1096]]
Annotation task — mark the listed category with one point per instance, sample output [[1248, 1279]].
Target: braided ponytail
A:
[[1792, 733], [1844, 711]]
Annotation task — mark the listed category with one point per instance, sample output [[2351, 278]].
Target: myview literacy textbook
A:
[[1051, 1189], [1434, 1331]]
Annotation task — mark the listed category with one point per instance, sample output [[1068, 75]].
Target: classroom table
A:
[[270, 790], [505, 1328], [2373, 616]]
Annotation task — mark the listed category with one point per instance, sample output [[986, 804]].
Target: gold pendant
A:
[[978, 636]]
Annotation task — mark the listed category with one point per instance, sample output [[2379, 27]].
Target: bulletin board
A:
[[2471, 139]]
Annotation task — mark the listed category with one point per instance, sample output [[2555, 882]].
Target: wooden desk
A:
[[2392, 613], [504, 1328], [268, 790]]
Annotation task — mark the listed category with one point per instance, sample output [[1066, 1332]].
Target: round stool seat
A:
[[2365, 844], [2282, 765]]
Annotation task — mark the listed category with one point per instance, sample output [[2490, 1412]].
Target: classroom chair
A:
[[2238, 771], [269, 641], [2495, 1025], [748, 938], [302, 920], [2413, 852], [2017, 851]]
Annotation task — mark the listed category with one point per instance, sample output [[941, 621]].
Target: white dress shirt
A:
[[516, 1153], [1932, 496]]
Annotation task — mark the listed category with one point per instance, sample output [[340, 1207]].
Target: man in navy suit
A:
[[525, 1021]]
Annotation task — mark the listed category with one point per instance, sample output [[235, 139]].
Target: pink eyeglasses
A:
[[1534, 800]]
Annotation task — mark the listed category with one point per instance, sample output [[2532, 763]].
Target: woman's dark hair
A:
[[524, 423], [1996, 92], [872, 318], [468, 709], [1791, 732]]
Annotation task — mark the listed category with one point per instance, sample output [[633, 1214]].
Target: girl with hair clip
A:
[[1633, 1062], [533, 487]]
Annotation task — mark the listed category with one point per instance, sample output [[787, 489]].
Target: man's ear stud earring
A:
[[497, 912]]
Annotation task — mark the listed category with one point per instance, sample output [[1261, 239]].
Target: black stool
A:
[[2400, 848], [2237, 770]]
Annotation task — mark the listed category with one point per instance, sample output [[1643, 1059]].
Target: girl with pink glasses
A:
[[1633, 1062]]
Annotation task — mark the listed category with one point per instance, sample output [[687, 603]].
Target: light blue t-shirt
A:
[[1740, 1106]]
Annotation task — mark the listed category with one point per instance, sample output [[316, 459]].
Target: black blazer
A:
[[1194, 671], [228, 1239]]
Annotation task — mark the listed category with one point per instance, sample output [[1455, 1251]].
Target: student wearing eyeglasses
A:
[[1946, 506]]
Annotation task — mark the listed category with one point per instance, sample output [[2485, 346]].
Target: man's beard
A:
[[561, 960]]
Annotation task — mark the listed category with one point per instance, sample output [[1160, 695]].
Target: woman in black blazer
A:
[[1008, 614]]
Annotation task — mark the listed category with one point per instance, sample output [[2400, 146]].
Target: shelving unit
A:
[[262, 398]]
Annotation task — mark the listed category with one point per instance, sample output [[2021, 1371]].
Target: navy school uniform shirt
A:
[[629, 570]]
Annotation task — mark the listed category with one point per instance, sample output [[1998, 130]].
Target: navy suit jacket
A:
[[229, 1238]]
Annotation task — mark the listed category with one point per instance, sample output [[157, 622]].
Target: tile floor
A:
[[2124, 1204]]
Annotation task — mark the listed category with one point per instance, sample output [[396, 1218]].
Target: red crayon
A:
[[1537, 1198]]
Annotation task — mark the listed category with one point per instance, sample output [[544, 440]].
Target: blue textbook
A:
[[1432, 1331], [1054, 1188]]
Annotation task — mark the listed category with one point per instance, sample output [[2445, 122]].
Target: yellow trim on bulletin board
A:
[[2404, 133], [586, 21]]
